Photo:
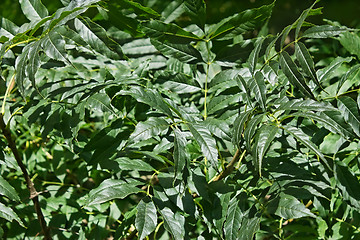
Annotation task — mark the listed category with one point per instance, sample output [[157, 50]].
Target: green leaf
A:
[[288, 207], [100, 101], [254, 55], [183, 52], [34, 10], [257, 84], [206, 142], [301, 19], [140, 9], [8, 214], [324, 31], [306, 62], [168, 32], [240, 23], [299, 135], [239, 127], [306, 105], [174, 223], [197, 11], [222, 102], [34, 61], [218, 128], [351, 42], [326, 72], [292, 73], [98, 39], [354, 70], [146, 218], [150, 97], [8, 191], [181, 159], [54, 46], [234, 217], [348, 184], [112, 189], [20, 66], [350, 111], [173, 10], [251, 128], [128, 164], [8, 28], [148, 129], [264, 136]]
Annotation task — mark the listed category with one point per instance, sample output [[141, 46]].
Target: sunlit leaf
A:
[[7, 190], [8, 214], [146, 218]]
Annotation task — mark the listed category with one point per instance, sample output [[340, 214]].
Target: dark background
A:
[[347, 12]]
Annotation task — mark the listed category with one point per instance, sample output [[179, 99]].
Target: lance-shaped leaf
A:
[[8, 214], [299, 135], [347, 183], [239, 127], [174, 223], [222, 102], [8, 28], [288, 207], [168, 32], [150, 128], [182, 52], [112, 189], [8, 191], [254, 55], [240, 23], [264, 136], [34, 10], [306, 105], [20, 66], [301, 19], [243, 86], [150, 97], [324, 31], [133, 164], [257, 84], [34, 61], [54, 46], [351, 42], [350, 111], [173, 10], [292, 73], [140, 9], [306, 62], [328, 122], [234, 217], [326, 72], [197, 11], [251, 128], [181, 159], [146, 218], [354, 70], [206, 142], [98, 39]]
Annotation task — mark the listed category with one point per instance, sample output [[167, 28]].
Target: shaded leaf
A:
[[324, 31], [146, 218], [197, 11], [234, 217], [254, 55], [181, 159], [349, 109], [8, 191], [251, 128], [239, 127], [133, 164], [306, 62], [326, 72], [351, 42], [148, 129], [257, 84], [174, 223]]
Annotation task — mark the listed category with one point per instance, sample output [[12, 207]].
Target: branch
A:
[[30, 185], [230, 167]]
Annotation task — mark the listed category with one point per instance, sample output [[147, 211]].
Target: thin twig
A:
[[229, 168], [30, 185]]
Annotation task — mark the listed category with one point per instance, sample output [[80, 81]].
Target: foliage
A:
[[136, 119]]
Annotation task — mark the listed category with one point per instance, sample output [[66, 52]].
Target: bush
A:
[[126, 119]]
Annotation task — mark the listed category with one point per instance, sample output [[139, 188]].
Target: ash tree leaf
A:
[[8, 214], [306, 105], [353, 71], [140, 9], [326, 72], [218, 128], [348, 184], [181, 159], [173, 10], [222, 102], [306, 62], [234, 217], [8, 28], [288, 207], [206, 142], [257, 84], [240, 23], [299, 135], [301, 19], [100, 101], [133, 164], [197, 11], [54, 46], [174, 223], [146, 218], [20, 66], [351, 42], [243, 86], [264, 136], [112, 189], [7, 190], [324, 31], [98, 39], [150, 97], [239, 127], [34, 10], [150, 128], [292, 73], [34, 61], [182, 52], [350, 111], [251, 129], [254, 55]]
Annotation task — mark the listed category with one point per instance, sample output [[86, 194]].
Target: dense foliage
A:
[[136, 119]]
